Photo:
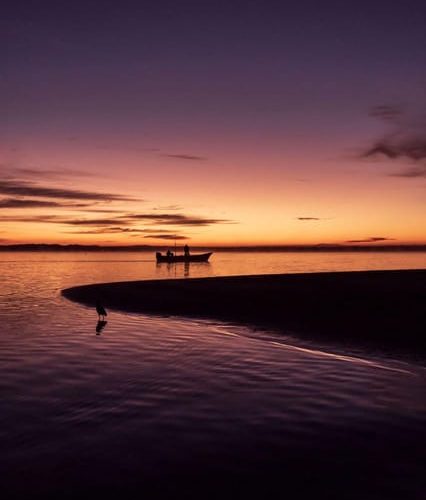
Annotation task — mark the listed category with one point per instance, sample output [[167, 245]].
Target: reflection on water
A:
[[72, 268], [100, 325], [182, 269], [187, 406]]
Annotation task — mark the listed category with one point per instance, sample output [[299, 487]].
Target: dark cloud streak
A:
[[93, 222], [185, 157], [406, 139], [177, 219], [32, 219], [21, 188], [168, 237], [411, 172], [394, 147], [46, 173], [24, 203], [373, 239], [109, 230], [120, 230]]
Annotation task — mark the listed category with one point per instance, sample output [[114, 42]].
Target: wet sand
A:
[[386, 309]]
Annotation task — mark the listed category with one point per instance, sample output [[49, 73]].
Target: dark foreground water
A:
[[156, 405]]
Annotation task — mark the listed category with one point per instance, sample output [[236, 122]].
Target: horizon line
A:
[[289, 247]]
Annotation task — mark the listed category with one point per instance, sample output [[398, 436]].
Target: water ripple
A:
[[187, 397]]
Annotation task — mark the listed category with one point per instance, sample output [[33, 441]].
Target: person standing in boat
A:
[[186, 250]]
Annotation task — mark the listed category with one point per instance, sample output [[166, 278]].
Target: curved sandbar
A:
[[386, 308]]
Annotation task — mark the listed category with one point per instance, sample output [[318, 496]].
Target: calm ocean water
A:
[[183, 407]]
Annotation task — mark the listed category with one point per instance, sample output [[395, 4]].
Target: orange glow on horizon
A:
[[244, 200]]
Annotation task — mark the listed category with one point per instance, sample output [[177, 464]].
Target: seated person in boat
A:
[[169, 253]]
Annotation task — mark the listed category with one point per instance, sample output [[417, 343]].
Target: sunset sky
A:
[[225, 122]]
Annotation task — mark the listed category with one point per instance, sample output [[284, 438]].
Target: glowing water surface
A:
[[184, 407]]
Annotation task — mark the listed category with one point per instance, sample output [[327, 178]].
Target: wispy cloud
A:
[[126, 220], [119, 230], [30, 203], [308, 218], [394, 147], [177, 219], [57, 173], [24, 188], [63, 219], [167, 237], [169, 207], [155, 231], [94, 222], [128, 147], [406, 139], [153, 219], [185, 156], [102, 210], [160, 152], [108, 230], [31, 218], [411, 172], [386, 112], [372, 239], [130, 224]]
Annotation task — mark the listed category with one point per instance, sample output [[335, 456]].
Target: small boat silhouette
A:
[[201, 257]]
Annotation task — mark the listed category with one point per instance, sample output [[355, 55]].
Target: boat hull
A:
[[201, 257]]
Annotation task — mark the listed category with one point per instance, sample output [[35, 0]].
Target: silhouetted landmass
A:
[[382, 308], [41, 247], [45, 247]]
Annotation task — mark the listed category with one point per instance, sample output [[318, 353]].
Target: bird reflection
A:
[[100, 325]]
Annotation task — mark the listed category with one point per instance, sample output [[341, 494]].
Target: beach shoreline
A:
[[380, 308]]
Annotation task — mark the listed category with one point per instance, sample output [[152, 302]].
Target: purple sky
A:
[[252, 89]]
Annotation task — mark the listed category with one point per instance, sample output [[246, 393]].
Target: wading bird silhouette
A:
[[100, 309]]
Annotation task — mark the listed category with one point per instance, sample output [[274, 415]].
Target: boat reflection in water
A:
[[174, 270]]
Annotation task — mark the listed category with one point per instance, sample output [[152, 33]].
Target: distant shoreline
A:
[[42, 247], [385, 309]]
